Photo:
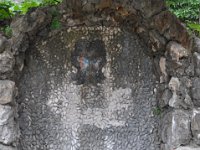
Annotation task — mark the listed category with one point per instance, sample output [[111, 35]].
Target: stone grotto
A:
[[115, 75]]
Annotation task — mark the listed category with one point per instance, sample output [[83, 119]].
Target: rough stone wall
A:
[[176, 60], [63, 113]]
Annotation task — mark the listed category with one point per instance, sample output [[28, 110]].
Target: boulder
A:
[[8, 127], [176, 51], [180, 93], [195, 125], [7, 91], [7, 63], [176, 129]]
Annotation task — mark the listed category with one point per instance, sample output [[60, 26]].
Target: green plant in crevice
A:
[[157, 111], [55, 24], [6, 30]]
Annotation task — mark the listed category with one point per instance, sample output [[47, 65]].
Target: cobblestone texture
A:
[[117, 114]]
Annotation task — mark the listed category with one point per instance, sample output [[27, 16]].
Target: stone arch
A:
[[174, 52]]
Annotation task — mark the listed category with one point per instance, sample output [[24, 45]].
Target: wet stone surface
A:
[[56, 113]]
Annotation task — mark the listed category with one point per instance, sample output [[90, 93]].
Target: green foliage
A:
[[5, 12], [187, 11], [194, 26], [8, 8], [51, 2], [26, 5]]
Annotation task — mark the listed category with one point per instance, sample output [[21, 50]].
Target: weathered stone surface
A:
[[188, 148], [176, 129], [20, 43], [7, 62], [162, 64], [3, 43], [3, 147], [8, 128], [157, 42], [196, 44], [148, 8], [114, 114], [176, 51], [196, 57], [165, 97], [6, 114], [195, 125], [167, 23], [30, 23], [180, 93], [162, 21], [196, 91], [178, 33], [7, 91], [174, 86]]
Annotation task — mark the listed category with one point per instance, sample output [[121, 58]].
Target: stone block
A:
[[7, 63], [7, 91], [165, 97], [195, 125], [180, 93], [176, 51], [8, 127], [176, 129], [195, 90], [196, 57], [174, 86]]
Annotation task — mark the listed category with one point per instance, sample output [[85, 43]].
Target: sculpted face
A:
[[89, 57]]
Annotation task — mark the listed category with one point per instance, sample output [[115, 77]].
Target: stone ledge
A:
[[3, 147]]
